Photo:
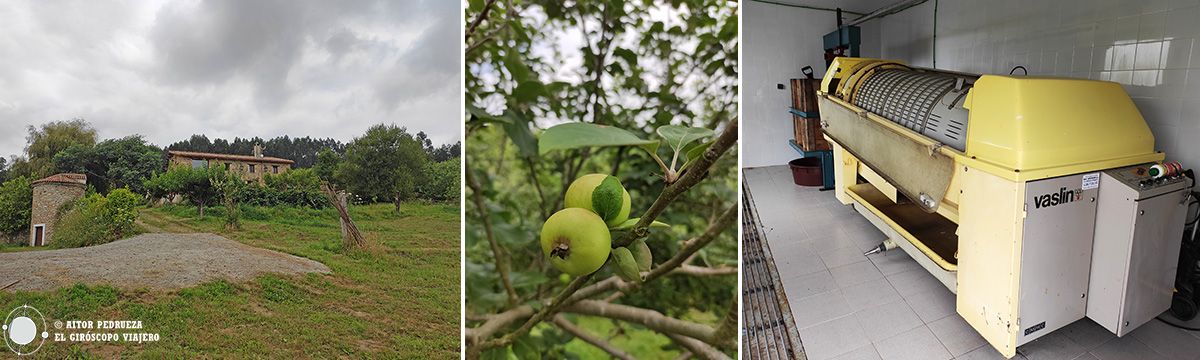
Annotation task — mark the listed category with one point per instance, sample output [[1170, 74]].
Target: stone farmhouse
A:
[[250, 167], [48, 195]]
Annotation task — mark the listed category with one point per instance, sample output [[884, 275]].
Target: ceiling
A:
[[859, 6]]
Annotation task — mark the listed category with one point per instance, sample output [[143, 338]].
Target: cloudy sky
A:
[[228, 68]]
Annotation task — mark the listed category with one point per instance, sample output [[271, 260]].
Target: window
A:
[[251, 168], [196, 164], [275, 169], [226, 166]]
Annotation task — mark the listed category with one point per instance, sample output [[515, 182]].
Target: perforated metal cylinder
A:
[[926, 102]]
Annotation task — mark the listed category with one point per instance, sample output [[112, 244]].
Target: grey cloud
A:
[[229, 68]]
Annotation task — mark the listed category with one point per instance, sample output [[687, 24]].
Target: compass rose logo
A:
[[21, 330]]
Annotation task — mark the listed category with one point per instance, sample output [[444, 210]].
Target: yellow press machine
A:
[[1036, 200]]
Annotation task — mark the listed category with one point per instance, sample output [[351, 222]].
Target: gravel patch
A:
[[155, 261]]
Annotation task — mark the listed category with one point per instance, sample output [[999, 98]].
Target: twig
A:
[[501, 262], [620, 156], [650, 319], [588, 338], [684, 356], [487, 8], [491, 35], [697, 347], [553, 307], [10, 284], [694, 175], [538, 185], [693, 270]]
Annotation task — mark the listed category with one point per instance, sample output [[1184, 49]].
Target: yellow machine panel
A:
[[1029, 127]]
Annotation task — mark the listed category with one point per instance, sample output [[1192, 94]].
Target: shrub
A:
[[445, 183], [96, 219], [16, 205]]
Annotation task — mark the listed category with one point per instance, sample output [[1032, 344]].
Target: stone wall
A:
[[240, 167], [47, 197]]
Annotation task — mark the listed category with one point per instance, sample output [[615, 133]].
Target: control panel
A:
[[1151, 179]]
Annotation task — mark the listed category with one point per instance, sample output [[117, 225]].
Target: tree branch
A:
[[697, 172], [698, 348], [573, 294], [693, 270], [487, 8], [727, 329], [588, 338], [651, 319], [495, 322], [501, 262], [553, 307]]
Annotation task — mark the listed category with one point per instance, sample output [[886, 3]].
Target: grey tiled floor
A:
[[849, 306]]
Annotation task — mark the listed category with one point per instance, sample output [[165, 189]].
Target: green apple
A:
[[601, 194], [576, 241]]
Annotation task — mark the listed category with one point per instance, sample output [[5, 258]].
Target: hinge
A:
[[935, 148]]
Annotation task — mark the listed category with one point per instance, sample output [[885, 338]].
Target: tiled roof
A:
[[80, 179], [200, 155]]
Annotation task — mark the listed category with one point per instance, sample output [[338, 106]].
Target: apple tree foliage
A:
[[643, 88]]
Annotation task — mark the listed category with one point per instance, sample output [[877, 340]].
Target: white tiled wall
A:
[[1145, 45], [778, 42]]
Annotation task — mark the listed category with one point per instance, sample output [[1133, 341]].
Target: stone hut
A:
[[250, 167], [48, 195]]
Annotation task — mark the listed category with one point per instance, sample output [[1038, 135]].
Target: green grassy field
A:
[[398, 299]]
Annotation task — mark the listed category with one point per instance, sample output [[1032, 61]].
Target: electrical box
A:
[[1135, 253]]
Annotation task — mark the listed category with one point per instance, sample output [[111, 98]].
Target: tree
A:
[[16, 200], [443, 181], [196, 185], [303, 150], [385, 163], [639, 67], [3, 169], [446, 152], [113, 163], [45, 142], [327, 165]]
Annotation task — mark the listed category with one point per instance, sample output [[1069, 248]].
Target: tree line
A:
[[386, 164]]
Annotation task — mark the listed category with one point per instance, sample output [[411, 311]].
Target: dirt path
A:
[[155, 261]]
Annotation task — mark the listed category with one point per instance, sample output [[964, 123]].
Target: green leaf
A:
[[607, 198], [497, 353], [678, 136], [625, 225], [641, 254], [695, 153], [651, 148], [536, 305], [524, 349], [529, 91], [483, 116], [518, 131], [626, 266], [516, 65], [577, 135], [628, 55], [531, 280], [631, 222]]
